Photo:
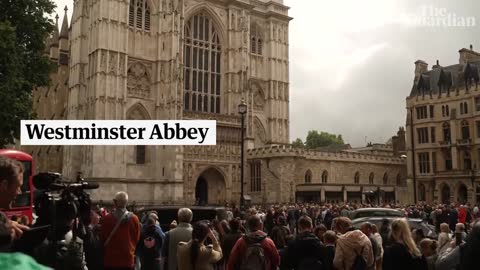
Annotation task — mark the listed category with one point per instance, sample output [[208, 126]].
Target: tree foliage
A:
[[24, 27], [298, 143], [317, 139]]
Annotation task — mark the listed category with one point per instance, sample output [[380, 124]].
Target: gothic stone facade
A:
[[288, 174], [444, 119], [187, 59], [169, 59]]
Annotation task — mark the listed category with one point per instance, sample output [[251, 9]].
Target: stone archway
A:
[[462, 194], [445, 194], [210, 188]]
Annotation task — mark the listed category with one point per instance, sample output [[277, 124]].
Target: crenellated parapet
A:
[[296, 152]]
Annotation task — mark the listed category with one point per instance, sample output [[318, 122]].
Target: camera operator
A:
[[11, 177], [63, 249]]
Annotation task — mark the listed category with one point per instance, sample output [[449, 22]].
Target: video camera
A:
[[61, 200]]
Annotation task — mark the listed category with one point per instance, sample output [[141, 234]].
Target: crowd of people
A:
[[285, 237]]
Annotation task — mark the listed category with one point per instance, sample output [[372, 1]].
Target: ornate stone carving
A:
[[112, 64], [138, 81], [103, 60], [258, 99], [122, 65]]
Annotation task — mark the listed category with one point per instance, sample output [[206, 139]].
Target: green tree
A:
[[24, 27], [298, 143], [317, 139]]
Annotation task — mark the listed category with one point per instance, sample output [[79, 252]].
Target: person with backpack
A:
[[403, 252], [254, 251], [306, 251], [150, 246], [231, 238], [280, 232], [354, 249], [120, 233], [195, 255]]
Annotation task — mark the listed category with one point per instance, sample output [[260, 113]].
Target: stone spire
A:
[[55, 32], [64, 31]]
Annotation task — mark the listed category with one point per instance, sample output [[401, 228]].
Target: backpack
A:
[[254, 256], [149, 242], [359, 263]]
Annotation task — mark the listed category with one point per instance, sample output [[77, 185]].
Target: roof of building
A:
[[445, 78]]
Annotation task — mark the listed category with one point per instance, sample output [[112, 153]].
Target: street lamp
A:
[[242, 110]]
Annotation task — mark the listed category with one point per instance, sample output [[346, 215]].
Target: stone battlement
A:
[[292, 151]]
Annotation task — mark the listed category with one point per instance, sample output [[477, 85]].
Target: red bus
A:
[[23, 204]]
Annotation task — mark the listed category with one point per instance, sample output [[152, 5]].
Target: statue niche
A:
[[138, 81], [258, 98]]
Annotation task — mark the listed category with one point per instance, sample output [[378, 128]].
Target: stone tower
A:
[[177, 59]]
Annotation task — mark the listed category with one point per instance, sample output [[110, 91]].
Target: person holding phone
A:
[[195, 254]]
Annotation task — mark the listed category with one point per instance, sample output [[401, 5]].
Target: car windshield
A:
[[23, 199]]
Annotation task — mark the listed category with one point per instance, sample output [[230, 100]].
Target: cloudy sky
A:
[[351, 61]]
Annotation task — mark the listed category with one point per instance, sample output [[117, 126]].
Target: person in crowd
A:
[[319, 231], [280, 233], [93, 246], [460, 232], [11, 178], [470, 251], [428, 248], [306, 251], [329, 240], [443, 237], [231, 238], [418, 236], [120, 232], [452, 217], [267, 258], [350, 244], [23, 220], [376, 235], [385, 233], [182, 233], [195, 254], [150, 245], [462, 214], [366, 228], [403, 253], [269, 221]]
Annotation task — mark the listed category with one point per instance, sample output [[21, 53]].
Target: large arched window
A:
[[308, 177], [256, 40], [385, 178], [139, 15], [371, 178], [356, 179], [324, 177], [202, 61]]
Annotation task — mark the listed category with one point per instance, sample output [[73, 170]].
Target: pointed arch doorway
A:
[[210, 188]]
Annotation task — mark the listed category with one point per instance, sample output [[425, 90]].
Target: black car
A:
[[415, 223], [167, 214]]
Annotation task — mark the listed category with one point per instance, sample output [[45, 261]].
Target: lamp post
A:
[[242, 110]]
